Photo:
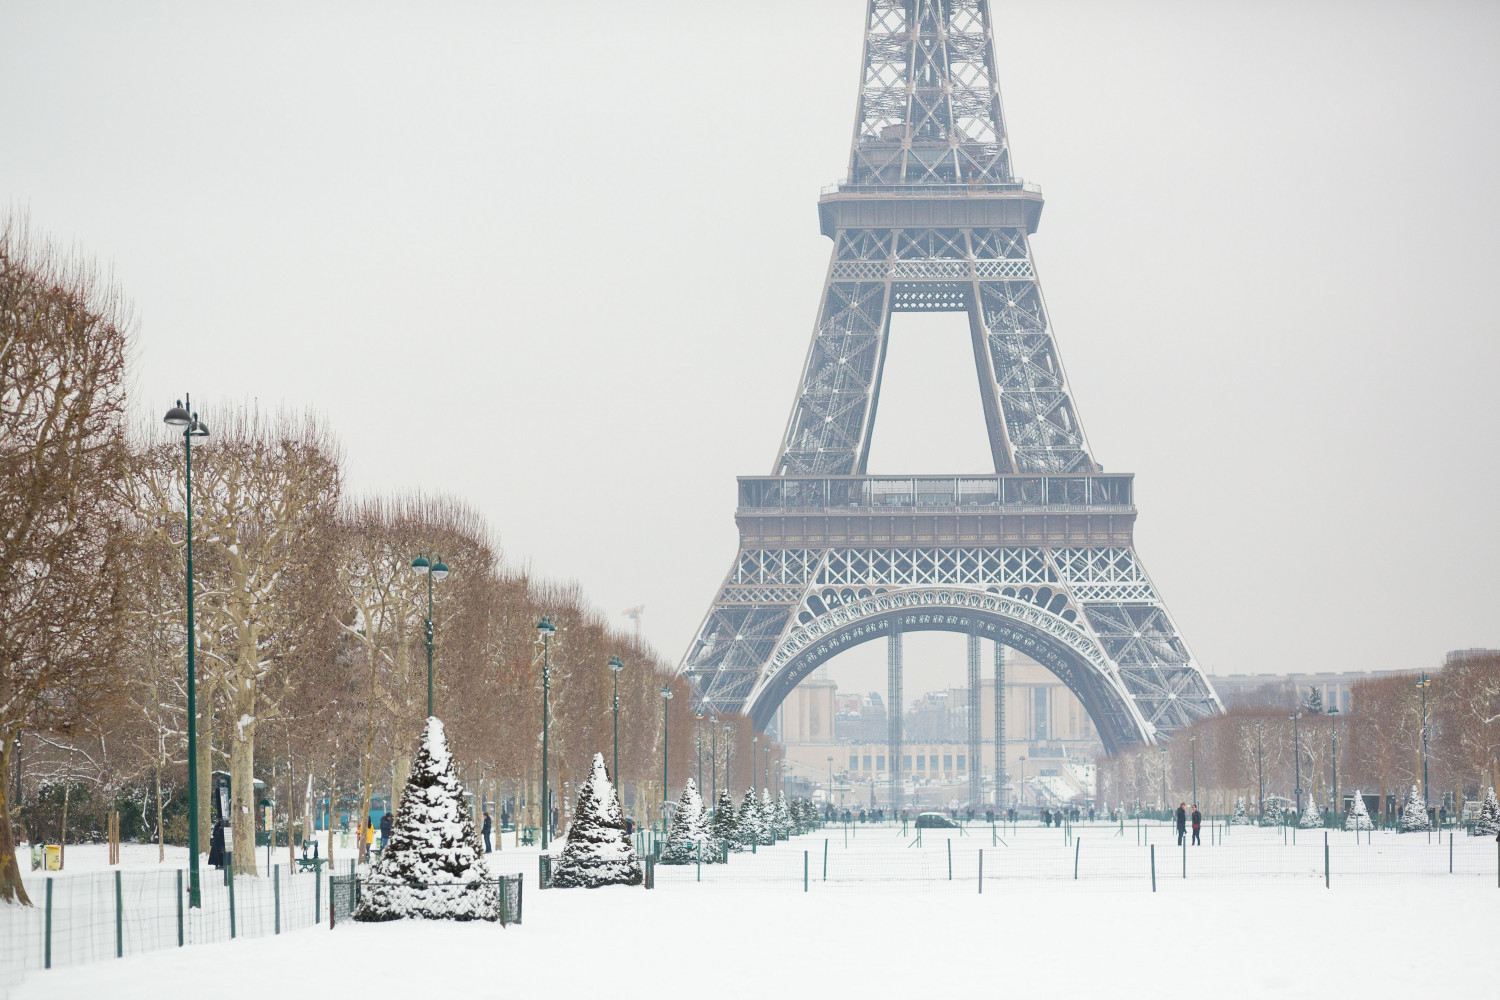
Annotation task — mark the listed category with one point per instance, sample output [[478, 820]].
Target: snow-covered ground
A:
[[1229, 929]]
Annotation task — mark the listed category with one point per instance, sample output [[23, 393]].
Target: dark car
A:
[[935, 821]]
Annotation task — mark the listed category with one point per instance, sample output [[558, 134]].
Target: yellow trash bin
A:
[[53, 854]]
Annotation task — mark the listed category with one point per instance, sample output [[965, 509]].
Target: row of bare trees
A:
[[310, 640], [1375, 748]]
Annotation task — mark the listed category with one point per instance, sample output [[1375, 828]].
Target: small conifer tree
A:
[[1488, 823], [433, 865], [1311, 818], [1359, 815], [598, 851], [767, 817], [1240, 817], [687, 829], [1414, 818], [783, 817], [749, 820], [726, 828]]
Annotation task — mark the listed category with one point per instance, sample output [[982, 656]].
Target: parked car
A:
[[935, 821]]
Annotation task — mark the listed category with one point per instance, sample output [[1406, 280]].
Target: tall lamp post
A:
[[1193, 765], [1334, 735], [615, 666], [437, 570], [1260, 775], [544, 631], [192, 427], [1424, 683], [1021, 795], [698, 739], [713, 756], [728, 751], [830, 781], [666, 698], [1164, 780], [755, 766], [1297, 757]]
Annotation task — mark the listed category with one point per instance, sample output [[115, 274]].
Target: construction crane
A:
[[635, 614]]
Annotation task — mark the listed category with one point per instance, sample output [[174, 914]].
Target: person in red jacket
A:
[[1197, 826]]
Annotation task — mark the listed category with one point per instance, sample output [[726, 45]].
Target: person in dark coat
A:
[[1197, 825], [1181, 822], [216, 846], [386, 823], [487, 847]]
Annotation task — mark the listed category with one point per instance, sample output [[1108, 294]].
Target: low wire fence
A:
[[495, 899], [984, 858]]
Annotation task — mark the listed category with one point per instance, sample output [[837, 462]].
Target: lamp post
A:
[[830, 781], [1021, 795], [1193, 765], [666, 697], [1260, 775], [1337, 804], [615, 666], [433, 570], [755, 766], [1423, 684], [1164, 780], [1297, 758], [728, 751], [713, 756], [698, 739], [544, 631], [181, 416]]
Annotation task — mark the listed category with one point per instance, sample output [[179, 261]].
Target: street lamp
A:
[[755, 766], [728, 753], [698, 739], [666, 696], [434, 570], [1021, 795], [830, 781], [713, 756], [1334, 735], [1260, 775], [1424, 683], [1163, 780], [544, 632], [1193, 765], [181, 416], [615, 666], [1297, 758]]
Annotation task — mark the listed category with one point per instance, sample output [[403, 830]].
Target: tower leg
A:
[[976, 786], [894, 701], [1001, 778]]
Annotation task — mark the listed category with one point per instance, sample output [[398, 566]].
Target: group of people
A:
[[1182, 820]]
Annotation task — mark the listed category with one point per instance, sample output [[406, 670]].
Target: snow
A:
[[1261, 893]]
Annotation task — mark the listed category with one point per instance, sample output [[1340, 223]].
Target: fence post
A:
[[47, 939], [1077, 846], [804, 871], [1325, 859], [276, 894], [229, 869], [1153, 867], [1184, 857], [119, 918], [825, 859], [317, 894], [950, 859], [700, 861], [981, 871], [1450, 852], [179, 907]]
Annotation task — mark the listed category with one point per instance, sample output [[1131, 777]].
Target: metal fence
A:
[[78, 919], [500, 899]]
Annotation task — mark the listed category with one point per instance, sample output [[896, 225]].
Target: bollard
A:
[[1077, 846], [981, 871], [47, 938], [119, 918], [1153, 867], [179, 908]]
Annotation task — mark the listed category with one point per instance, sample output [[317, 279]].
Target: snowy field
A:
[[1252, 919]]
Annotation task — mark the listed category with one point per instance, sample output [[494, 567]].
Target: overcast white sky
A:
[[563, 261]]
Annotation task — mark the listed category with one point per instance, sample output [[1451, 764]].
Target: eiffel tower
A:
[[1039, 556]]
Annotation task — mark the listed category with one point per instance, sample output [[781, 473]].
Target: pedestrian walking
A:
[[487, 847], [1197, 826], [387, 823], [1181, 822]]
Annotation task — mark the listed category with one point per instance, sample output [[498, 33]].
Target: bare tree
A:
[[63, 359]]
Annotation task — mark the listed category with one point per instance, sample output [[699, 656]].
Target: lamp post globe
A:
[[183, 417]]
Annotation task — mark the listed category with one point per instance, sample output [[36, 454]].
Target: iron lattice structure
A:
[[1040, 555]]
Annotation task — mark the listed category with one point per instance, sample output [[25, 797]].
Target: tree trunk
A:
[[399, 773], [242, 784], [161, 830], [11, 889], [62, 839], [205, 769]]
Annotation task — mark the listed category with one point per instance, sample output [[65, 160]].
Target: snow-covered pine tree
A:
[[726, 828], [1313, 703], [1414, 818], [802, 813], [767, 817], [433, 866], [1311, 818], [1359, 816], [1488, 823], [598, 851], [1275, 812], [748, 821], [1240, 817], [783, 817], [687, 829]]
